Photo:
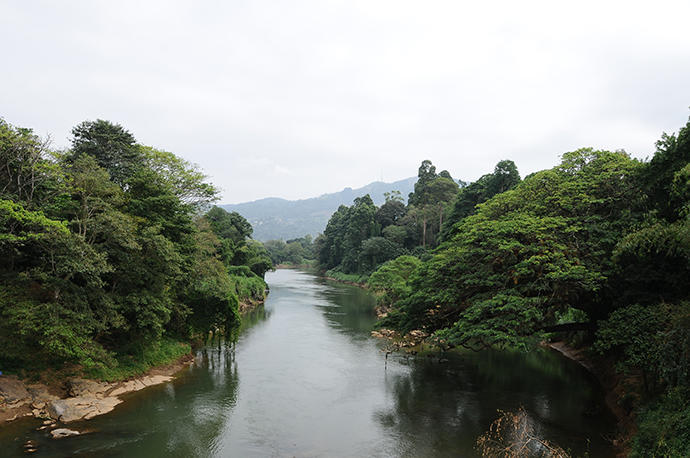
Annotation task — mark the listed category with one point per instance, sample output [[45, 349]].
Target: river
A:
[[306, 379]]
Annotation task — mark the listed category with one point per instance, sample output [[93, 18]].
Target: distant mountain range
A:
[[275, 218]]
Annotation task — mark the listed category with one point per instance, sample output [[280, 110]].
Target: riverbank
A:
[[73, 399], [249, 304], [54, 397], [303, 267]]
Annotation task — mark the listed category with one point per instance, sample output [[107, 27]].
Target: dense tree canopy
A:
[[360, 238], [111, 145], [298, 251], [601, 237], [106, 251]]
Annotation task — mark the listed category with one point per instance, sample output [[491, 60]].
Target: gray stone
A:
[[40, 394], [81, 387], [12, 390], [86, 407], [63, 432]]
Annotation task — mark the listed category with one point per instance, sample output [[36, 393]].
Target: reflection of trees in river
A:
[[187, 418], [347, 308], [183, 418], [192, 418], [442, 408], [204, 412]]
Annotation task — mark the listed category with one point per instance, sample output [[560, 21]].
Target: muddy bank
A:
[[75, 399]]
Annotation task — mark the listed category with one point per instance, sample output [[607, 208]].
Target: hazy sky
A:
[[297, 98]]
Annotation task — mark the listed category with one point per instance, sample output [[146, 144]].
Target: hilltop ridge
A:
[[277, 218]]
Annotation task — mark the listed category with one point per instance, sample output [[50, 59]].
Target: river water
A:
[[305, 379]]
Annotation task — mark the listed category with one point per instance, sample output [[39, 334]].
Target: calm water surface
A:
[[305, 379]]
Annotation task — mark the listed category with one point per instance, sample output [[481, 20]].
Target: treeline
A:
[[358, 239], [601, 242], [108, 254], [293, 252]]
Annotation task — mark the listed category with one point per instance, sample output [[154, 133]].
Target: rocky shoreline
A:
[[76, 398]]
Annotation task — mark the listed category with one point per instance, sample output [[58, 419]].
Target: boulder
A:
[[82, 387], [40, 394], [128, 386], [63, 432], [12, 390], [82, 407]]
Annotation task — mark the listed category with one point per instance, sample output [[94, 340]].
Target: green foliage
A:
[[113, 147], [251, 288], [390, 212], [105, 257], [504, 178], [19, 226], [658, 176], [664, 427], [347, 278], [358, 239], [600, 238], [341, 244], [526, 255], [430, 201], [185, 179], [294, 252], [680, 192], [164, 351], [654, 262], [653, 339], [376, 250], [230, 226], [389, 282], [27, 173]]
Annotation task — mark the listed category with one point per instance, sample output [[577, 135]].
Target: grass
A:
[[340, 276], [161, 353]]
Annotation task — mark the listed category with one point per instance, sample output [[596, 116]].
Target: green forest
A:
[[595, 249], [112, 257]]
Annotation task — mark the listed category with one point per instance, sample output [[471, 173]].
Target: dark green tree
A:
[[113, 147]]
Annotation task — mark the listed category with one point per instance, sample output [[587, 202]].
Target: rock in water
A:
[[63, 432], [72, 409]]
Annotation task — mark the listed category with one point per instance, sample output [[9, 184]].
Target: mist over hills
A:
[[276, 218]]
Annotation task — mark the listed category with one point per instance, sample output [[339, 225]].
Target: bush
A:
[[348, 278], [162, 352], [664, 427]]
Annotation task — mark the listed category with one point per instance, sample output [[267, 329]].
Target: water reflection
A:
[[347, 308], [440, 409]]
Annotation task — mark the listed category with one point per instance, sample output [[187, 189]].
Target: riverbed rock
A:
[[13, 391], [38, 405], [156, 379], [40, 394], [82, 407], [63, 432], [81, 387]]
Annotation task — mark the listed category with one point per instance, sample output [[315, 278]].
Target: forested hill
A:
[[273, 218]]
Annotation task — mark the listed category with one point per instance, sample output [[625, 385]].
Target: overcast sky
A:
[[298, 98]]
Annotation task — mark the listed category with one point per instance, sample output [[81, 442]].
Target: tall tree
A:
[[113, 147]]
